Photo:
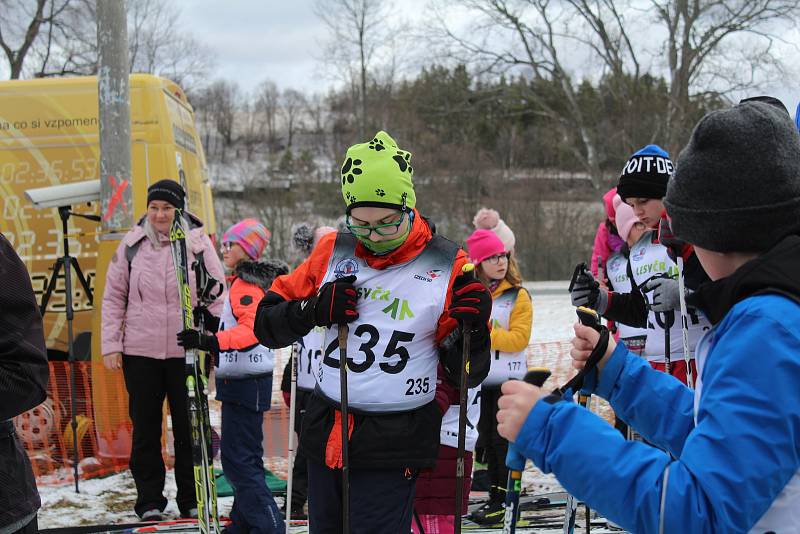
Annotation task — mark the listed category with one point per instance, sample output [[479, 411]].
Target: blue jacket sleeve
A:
[[657, 405], [733, 464]]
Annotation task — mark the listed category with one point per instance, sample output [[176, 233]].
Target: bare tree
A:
[[358, 29], [20, 26], [266, 106], [156, 47], [293, 105], [224, 99], [532, 28], [58, 37], [702, 37]]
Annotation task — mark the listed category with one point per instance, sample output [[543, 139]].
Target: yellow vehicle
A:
[[49, 135]]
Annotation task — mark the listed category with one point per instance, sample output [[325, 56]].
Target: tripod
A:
[[68, 263]]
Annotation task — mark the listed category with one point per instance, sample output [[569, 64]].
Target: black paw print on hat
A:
[[377, 145], [380, 192], [350, 170], [403, 160]]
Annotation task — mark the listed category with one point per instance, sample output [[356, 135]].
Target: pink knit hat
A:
[[322, 231], [490, 220], [625, 219], [483, 244], [249, 234]]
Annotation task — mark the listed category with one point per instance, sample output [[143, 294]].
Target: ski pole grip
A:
[[537, 377]]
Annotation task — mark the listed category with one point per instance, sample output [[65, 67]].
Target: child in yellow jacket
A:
[[512, 319]]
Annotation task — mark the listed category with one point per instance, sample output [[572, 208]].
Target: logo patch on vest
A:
[[246, 300], [345, 267]]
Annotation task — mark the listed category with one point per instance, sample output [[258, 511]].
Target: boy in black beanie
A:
[[733, 461], [654, 299]]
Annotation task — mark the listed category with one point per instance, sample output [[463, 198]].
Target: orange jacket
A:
[[307, 278]]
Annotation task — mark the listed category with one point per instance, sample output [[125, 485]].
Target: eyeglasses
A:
[[494, 260], [226, 246], [385, 230]]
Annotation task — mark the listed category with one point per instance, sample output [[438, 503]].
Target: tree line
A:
[[527, 106]]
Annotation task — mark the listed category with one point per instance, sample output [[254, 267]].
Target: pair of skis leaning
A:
[[196, 379]]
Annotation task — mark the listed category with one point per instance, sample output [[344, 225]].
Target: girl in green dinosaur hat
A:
[[400, 288]]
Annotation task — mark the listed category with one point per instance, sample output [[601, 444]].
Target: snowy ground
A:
[[110, 500]]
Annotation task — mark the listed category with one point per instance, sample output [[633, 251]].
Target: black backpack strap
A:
[[130, 252]]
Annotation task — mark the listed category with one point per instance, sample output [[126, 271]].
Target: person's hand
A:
[[666, 294], [192, 339], [514, 406], [335, 303], [113, 361], [210, 321], [470, 301], [583, 344], [586, 291]]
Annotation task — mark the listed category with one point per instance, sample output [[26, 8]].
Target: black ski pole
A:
[[469, 270], [343, 331], [515, 462], [669, 318]]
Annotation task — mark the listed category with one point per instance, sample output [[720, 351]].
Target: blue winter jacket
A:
[[722, 473]]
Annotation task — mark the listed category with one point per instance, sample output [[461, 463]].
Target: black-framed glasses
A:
[[494, 260], [385, 230]]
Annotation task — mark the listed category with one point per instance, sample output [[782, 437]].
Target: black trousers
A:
[[495, 446], [149, 381], [381, 501]]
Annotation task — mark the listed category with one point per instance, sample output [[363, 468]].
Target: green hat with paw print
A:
[[378, 173]]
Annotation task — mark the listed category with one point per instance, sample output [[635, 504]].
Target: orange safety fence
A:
[[104, 430]]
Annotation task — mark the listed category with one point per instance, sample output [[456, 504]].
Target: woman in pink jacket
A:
[[141, 316]]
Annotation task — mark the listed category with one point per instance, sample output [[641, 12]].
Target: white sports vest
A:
[[617, 272], [242, 363], [783, 516], [647, 260], [505, 365], [391, 347], [449, 433], [308, 359]]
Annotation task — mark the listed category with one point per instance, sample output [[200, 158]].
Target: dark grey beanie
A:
[[736, 186]]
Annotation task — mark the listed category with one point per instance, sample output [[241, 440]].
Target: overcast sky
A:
[[280, 39]]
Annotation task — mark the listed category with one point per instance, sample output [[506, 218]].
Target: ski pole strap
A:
[[576, 383], [208, 288]]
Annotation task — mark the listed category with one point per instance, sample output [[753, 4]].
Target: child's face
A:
[[496, 267], [718, 265], [647, 210], [636, 232], [232, 254]]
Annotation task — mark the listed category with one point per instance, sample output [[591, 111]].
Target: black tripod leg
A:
[[51, 285], [82, 279]]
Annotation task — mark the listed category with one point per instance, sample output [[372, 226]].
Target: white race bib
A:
[[391, 348]]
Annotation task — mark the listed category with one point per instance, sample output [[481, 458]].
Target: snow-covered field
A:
[[111, 499]]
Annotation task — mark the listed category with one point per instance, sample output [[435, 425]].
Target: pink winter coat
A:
[[141, 308], [605, 243]]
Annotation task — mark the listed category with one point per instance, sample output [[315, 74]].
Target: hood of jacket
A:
[[261, 272], [774, 271]]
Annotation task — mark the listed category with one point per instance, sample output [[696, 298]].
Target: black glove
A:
[[584, 290], [470, 301], [192, 339], [335, 303], [210, 321]]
